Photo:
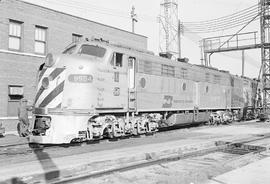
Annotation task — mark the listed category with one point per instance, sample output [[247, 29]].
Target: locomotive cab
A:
[[67, 92], [87, 79]]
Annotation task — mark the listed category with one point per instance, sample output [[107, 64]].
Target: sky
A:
[[117, 13]]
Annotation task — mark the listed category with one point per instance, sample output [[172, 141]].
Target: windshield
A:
[[70, 50], [92, 50]]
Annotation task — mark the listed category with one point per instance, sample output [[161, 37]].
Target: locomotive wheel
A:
[[136, 129], [210, 122], [110, 135]]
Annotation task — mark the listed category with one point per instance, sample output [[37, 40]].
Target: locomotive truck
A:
[[97, 89]]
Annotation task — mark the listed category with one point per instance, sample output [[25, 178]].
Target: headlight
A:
[[49, 61], [45, 82]]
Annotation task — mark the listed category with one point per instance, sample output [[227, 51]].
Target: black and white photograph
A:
[[134, 92]]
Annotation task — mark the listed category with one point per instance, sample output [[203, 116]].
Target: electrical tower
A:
[[168, 28], [265, 55]]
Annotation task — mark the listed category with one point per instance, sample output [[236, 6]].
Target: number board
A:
[[80, 78]]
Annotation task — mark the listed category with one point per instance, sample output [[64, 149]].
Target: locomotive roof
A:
[[142, 53]]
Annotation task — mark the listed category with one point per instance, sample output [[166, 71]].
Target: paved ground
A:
[[210, 168], [254, 173], [185, 135], [113, 153], [236, 130], [11, 139], [188, 171]]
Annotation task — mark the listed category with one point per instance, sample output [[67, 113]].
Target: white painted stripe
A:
[[56, 101], [52, 86]]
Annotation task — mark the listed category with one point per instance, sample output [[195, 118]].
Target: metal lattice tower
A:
[[168, 27], [265, 54]]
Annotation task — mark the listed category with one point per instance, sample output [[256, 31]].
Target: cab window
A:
[[117, 59], [92, 50]]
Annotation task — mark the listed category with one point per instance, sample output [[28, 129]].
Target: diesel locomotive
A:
[[97, 89]]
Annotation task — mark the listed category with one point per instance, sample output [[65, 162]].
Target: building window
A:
[[40, 39], [15, 94], [15, 35], [76, 38]]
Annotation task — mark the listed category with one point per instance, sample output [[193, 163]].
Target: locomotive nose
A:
[[50, 87]]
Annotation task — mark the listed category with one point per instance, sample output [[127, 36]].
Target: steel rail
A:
[[221, 146]]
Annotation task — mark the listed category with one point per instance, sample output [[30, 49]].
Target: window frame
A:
[[41, 41], [86, 54], [113, 60], [15, 97], [20, 37], [75, 35], [72, 48]]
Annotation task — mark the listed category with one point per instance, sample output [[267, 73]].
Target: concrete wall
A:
[[19, 68]]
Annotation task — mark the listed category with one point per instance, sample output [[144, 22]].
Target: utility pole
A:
[[265, 55], [133, 18]]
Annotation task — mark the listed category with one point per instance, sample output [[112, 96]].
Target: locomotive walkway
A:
[[66, 164]]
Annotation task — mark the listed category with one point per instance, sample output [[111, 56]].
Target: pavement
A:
[[254, 173], [10, 124], [95, 161], [45, 167], [12, 138], [236, 130]]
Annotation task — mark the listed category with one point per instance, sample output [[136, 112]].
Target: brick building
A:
[[28, 32]]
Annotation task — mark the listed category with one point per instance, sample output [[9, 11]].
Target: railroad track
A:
[[240, 148], [236, 147], [25, 148]]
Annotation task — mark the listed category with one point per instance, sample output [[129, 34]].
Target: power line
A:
[[102, 10], [221, 28], [224, 22], [92, 9], [214, 25], [236, 14]]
